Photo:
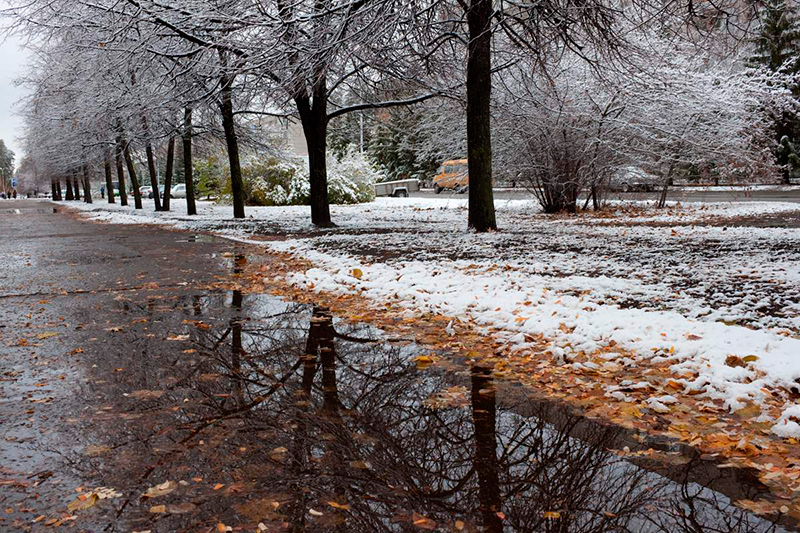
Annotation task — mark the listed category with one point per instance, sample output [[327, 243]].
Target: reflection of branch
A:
[[207, 421], [357, 340]]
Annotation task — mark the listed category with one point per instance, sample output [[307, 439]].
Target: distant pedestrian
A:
[[15, 194], [102, 191]]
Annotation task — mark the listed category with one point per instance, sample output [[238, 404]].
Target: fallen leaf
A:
[[342, 506], [357, 273], [423, 522], [81, 504], [161, 490]]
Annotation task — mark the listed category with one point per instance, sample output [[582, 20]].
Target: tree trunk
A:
[[109, 180], [314, 118], [168, 173], [479, 135], [75, 188], [662, 201], [53, 193], [87, 187], [226, 109], [151, 165], [188, 173], [123, 193], [137, 195], [70, 196]]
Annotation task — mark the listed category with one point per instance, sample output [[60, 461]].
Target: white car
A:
[[178, 191]]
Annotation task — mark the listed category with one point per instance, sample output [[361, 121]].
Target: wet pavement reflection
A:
[[277, 414]]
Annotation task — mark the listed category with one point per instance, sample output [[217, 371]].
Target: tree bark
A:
[[75, 188], [87, 187], [109, 180], [123, 193], [226, 109], [314, 117], [151, 165], [479, 135], [53, 193], [137, 195], [168, 173], [662, 200], [191, 208], [70, 196]]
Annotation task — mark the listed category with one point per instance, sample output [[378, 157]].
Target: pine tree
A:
[[777, 48]]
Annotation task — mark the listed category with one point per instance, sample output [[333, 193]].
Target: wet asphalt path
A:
[[134, 367], [63, 283]]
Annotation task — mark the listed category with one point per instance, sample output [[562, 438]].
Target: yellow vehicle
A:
[[452, 174]]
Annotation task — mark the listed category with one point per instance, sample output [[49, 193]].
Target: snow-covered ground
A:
[[664, 285]]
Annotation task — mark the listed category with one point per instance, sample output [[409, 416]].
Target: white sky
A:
[[12, 60]]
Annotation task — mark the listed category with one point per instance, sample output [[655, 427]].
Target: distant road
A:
[[704, 195]]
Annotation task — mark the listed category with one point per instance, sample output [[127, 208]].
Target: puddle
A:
[[198, 238], [276, 413], [27, 210]]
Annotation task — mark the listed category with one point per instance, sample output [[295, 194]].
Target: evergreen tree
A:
[[6, 165], [777, 48], [395, 144]]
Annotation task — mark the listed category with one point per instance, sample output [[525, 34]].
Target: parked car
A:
[[145, 191], [160, 192], [628, 179], [454, 175], [397, 188], [178, 191]]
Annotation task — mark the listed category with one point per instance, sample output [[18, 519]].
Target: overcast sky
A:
[[12, 59]]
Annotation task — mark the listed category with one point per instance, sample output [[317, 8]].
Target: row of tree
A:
[[570, 92]]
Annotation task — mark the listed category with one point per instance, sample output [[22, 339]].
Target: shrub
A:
[[284, 181]]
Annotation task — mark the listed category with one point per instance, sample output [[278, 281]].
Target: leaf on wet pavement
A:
[[552, 515], [361, 465], [46, 335], [94, 450], [341, 506], [146, 394], [83, 502], [161, 490], [422, 522]]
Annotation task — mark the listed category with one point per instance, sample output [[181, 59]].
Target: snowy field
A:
[[688, 285]]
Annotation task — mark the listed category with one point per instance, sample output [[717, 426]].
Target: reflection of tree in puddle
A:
[[338, 436]]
